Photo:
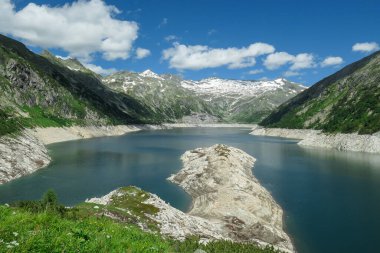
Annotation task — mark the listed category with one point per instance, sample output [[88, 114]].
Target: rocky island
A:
[[228, 202]]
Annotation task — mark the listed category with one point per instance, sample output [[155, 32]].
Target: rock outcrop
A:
[[225, 192], [283, 132], [170, 221], [20, 155], [315, 138], [345, 142]]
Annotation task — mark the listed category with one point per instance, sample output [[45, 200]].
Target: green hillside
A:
[[36, 91], [47, 226], [347, 101]]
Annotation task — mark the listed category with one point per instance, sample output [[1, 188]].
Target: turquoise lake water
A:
[[331, 199]]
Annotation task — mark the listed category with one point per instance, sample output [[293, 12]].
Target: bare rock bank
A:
[[51, 135], [21, 155], [315, 138], [169, 220], [224, 191]]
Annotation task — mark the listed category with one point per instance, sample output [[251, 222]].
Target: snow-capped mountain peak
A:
[[150, 73], [242, 87]]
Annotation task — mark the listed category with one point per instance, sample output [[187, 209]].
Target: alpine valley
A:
[[47, 99], [209, 100]]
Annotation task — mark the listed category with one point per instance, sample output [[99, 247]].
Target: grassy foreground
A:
[[47, 226]]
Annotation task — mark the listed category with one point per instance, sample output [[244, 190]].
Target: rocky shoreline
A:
[[228, 201], [21, 155], [317, 139], [51, 135]]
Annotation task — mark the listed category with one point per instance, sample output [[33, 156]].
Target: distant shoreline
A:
[[315, 138], [52, 135]]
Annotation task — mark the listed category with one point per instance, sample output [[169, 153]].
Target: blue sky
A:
[[302, 41]]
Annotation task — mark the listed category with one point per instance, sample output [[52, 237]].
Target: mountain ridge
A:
[[40, 92], [209, 96], [347, 101]]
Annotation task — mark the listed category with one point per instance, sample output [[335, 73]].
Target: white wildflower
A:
[[15, 243]]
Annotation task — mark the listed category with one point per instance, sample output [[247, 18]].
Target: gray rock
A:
[[224, 192], [21, 155], [315, 138]]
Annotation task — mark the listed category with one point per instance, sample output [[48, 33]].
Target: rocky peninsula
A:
[[316, 138], [228, 201]]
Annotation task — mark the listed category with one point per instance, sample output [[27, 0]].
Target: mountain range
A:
[[211, 99], [45, 90]]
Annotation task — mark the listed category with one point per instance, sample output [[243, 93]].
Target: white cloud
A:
[[303, 61], [291, 73], [299, 61], [211, 32], [365, 47], [171, 37], [255, 71], [163, 23], [80, 28], [142, 53], [331, 60], [276, 60], [200, 57], [99, 70]]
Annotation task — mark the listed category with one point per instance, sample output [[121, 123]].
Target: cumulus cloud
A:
[[276, 60], [98, 69], [200, 57], [331, 61], [255, 71], [171, 38], [142, 53], [365, 47], [299, 61], [80, 28], [303, 61]]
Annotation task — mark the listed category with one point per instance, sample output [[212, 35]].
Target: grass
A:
[[8, 123], [12, 123], [39, 117], [43, 226]]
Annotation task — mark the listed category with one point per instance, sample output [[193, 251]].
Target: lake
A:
[[331, 199]]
